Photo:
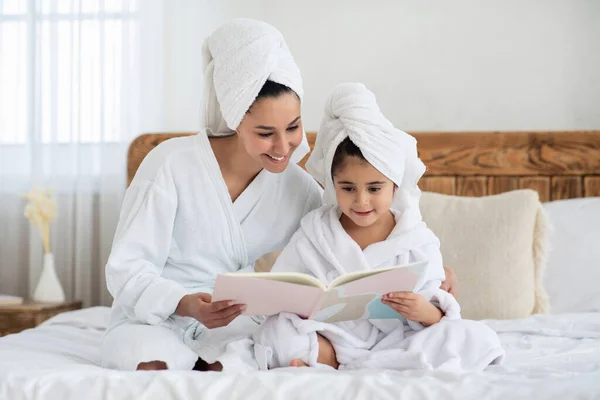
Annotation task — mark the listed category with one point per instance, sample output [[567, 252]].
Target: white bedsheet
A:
[[548, 357]]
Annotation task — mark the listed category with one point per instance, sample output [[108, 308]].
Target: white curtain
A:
[[79, 79]]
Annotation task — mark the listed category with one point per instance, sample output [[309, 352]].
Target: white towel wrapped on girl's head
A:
[[239, 57], [351, 111]]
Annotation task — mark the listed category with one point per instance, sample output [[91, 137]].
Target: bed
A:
[[548, 356]]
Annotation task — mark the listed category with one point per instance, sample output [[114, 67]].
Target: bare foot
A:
[[152, 366], [326, 353], [216, 366], [298, 363]]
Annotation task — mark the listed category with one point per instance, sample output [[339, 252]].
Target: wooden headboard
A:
[[559, 165]]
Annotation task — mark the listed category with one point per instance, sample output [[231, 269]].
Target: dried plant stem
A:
[[40, 210], [45, 231]]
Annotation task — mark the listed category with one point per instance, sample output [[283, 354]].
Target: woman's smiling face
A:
[[272, 130]]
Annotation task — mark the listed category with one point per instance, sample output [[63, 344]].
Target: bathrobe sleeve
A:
[[430, 290], [140, 249]]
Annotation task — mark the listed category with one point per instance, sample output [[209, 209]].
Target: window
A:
[[66, 70]]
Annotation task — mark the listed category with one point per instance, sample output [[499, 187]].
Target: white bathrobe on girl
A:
[[323, 249], [179, 228]]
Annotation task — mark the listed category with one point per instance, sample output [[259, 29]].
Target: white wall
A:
[[434, 65]]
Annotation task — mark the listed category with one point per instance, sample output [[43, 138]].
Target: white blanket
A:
[[323, 249], [548, 357]]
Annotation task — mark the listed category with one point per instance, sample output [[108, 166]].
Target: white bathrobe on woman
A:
[[322, 248], [179, 228]]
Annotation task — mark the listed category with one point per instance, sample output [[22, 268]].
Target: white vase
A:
[[48, 289]]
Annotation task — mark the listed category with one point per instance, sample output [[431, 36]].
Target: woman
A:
[[209, 204]]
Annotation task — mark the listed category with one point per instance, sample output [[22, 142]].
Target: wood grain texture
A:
[[541, 184], [16, 318], [566, 187], [472, 186], [511, 153], [501, 184], [481, 163], [439, 184], [591, 186]]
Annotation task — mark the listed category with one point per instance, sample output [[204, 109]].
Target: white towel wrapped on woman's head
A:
[[239, 57], [351, 111]]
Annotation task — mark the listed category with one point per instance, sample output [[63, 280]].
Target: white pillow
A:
[[496, 246], [573, 273]]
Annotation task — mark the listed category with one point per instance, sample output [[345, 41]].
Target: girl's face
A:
[[271, 130], [363, 193]]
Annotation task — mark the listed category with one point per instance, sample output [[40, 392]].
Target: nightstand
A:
[[15, 318]]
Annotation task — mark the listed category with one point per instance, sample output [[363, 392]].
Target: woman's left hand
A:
[[451, 283], [413, 307]]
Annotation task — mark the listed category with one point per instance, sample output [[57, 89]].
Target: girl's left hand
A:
[[450, 284], [413, 307]]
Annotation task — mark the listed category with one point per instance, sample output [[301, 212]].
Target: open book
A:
[[349, 297]]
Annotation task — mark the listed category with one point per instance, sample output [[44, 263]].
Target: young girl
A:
[[371, 219]]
